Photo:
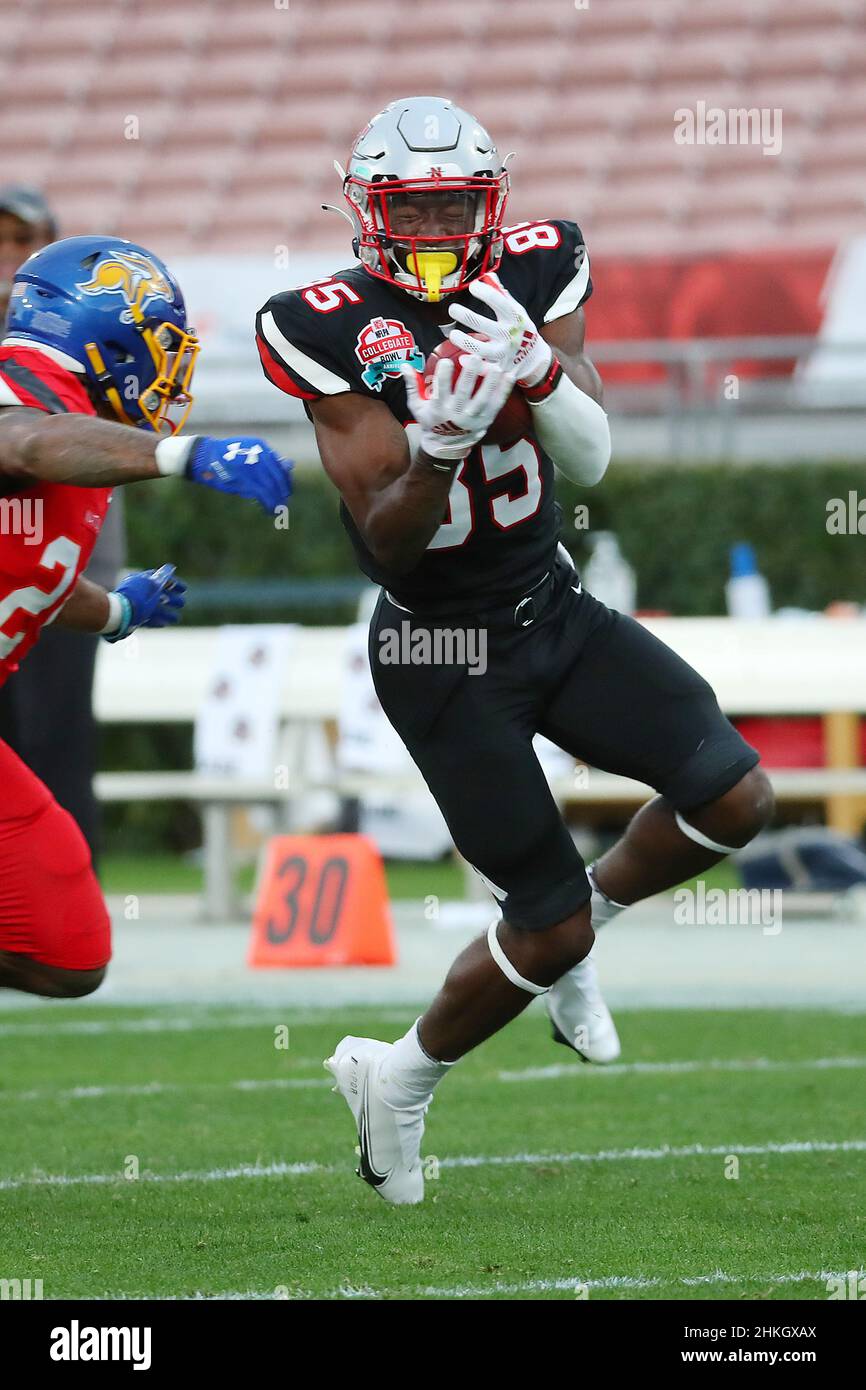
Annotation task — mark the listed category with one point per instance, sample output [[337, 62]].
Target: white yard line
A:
[[553, 1073], [161, 1088], [794, 1146], [47, 1029], [266, 1017], [315, 1082], [303, 1168], [614, 1281], [572, 1283], [243, 1170]]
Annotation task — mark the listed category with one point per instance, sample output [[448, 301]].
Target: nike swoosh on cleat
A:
[[366, 1169]]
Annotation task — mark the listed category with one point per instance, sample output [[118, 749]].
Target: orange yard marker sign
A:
[[323, 900]]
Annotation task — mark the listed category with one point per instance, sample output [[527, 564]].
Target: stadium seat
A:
[[451, 21], [237, 102], [743, 17], [241, 28], [329, 121], [300, 74], [651, 235], [35, 81], [846, 106], [638, 155], [839, 188], [820, 227], [583, 111], [131, 79], [524, 23], [17, 29], [842, 148], [805, 96], [143, 29], [534, 199], [286, 166], [806, 52], [99, 211], [631, 18], [507, 119], [30, 127], [790, 15], [707, 59], [227, 76], [594, 65], [28, 166], [559, 156], [657, 113], [341, 25], [166, 232], [226, 121], [60, 35], [107, 134], [394, 76]]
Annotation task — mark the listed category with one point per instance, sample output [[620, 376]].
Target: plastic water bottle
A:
[[608, 576], [747, 591]]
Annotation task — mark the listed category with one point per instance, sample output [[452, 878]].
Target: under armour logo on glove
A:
[[246, 467], [236, 448]]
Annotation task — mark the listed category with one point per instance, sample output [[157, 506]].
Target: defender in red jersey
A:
[[96, 338]]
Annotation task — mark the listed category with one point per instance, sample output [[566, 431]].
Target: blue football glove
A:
[[247, 467], [151, 598]]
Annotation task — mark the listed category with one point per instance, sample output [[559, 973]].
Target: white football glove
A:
[[454, 420], [510, 342]]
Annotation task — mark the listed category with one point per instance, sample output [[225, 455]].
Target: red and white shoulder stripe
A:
[[291, 369]]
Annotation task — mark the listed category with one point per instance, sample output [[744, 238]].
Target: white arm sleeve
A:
[[572, 428]]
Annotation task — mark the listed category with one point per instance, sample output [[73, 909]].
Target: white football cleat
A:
[[580, 1017], [389, 1139]]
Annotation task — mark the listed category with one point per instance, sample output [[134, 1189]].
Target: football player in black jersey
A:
[[462, 535]]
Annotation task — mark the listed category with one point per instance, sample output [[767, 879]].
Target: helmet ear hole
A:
[[120, 354]]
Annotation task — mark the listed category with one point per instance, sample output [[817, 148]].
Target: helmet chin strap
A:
[[105, 383], [431, 267]]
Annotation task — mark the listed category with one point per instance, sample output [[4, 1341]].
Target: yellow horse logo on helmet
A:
[[132, 275]]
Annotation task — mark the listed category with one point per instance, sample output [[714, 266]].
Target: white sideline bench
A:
[[776, 667]]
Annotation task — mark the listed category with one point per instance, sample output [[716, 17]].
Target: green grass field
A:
[[166, 873], [407, 879], [545, 1183]]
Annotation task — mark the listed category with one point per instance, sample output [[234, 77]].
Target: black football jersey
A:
[[500, 529]]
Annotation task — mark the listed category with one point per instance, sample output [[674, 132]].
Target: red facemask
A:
[[429, 264]]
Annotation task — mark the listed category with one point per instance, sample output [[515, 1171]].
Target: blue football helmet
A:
[[116, 313]]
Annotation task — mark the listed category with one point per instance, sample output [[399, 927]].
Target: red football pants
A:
[[51, 905]]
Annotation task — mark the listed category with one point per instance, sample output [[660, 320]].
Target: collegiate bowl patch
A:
[[382, 346]]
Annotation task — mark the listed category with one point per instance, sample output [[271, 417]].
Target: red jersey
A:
[[47, 531]]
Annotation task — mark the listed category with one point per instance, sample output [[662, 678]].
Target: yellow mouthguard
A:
[[430, 266]]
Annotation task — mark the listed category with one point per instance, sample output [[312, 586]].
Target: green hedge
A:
[[675, 525]]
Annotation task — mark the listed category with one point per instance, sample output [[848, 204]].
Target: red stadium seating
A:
[[241, 109]]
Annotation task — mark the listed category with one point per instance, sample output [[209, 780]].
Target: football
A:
[[514, 420]]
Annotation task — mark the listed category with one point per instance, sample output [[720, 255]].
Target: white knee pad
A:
[[701, 839], [505, 965]]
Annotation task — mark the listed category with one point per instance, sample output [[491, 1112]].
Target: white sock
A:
[[602, 908], [409, 1074]]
